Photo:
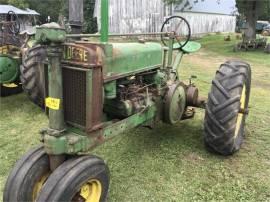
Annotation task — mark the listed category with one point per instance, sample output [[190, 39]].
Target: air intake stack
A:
[[76, 15]]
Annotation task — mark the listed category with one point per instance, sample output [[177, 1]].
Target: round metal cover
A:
[[175, 103]]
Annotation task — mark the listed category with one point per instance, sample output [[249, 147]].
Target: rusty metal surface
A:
[[95, 110], [175, 103], [193, 98], [192, 95], [81, 54]]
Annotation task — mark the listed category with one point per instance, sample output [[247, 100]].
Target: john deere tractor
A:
[[98, 90], [10, 57], [21, 61]]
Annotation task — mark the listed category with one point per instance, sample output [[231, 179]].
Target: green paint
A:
[[9, 69], [133, 121], [50, 33], [70, 143], [104, 21], [129, 58], [74, 143], [190, 47], [110, 90], [160, 78], [56, 116]]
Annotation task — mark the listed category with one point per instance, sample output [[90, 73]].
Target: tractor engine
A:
[[133, 95]]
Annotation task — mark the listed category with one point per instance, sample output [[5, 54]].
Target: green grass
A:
[[169, 163]]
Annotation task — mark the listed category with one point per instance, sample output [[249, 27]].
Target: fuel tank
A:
[[132, 58]]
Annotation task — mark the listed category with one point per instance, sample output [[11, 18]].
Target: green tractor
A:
[[98, 90], [21, 60], [10, 57]]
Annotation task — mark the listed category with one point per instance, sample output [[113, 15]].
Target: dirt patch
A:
[[193, 157]]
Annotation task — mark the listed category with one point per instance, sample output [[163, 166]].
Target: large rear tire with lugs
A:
[[32, 74], [227, 108]]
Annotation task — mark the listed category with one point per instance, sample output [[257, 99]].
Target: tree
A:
[[17, 3], [90, 22], [52, 8], [251, 9]]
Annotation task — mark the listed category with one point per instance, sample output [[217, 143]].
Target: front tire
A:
[[27, 177], [83, 178], [227, 107]]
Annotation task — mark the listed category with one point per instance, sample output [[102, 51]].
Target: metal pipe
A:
[[117, 35], [170, 53], [104, 21], [56, 115], [177, 62]]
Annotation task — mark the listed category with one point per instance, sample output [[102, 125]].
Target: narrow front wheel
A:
[[82, 179], [27, 177]]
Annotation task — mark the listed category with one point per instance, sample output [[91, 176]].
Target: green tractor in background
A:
[[97, 90], [21, 60], [10, 56]]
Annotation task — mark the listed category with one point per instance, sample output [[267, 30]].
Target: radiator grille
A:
[[74, 92]]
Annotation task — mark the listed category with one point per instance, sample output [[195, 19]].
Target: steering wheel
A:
[[179, 28], [15, 23]]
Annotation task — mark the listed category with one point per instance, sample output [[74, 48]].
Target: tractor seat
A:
[[190, 47]]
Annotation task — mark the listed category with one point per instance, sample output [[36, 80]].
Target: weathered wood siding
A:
[[201, 23], [134, 16], [139, 16]]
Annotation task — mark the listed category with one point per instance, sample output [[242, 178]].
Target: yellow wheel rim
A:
[[91, 191], [38, 186], [10, 85], [240, 116]]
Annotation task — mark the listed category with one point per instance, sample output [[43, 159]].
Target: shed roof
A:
[[4, 9]]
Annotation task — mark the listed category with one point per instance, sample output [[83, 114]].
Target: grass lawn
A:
[[169, 163]]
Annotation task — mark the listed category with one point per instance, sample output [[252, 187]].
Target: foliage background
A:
[[54, 8]]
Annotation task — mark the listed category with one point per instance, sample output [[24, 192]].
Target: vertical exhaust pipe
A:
[[104, 21], [76, 16]]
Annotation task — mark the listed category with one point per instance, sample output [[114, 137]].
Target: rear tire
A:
[[27, 177], [229, 95], [83, 178], [32, 74]]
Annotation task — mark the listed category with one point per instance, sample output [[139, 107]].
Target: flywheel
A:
[[175, 103]]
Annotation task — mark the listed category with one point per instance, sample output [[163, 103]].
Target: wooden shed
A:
[[140, 16]]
